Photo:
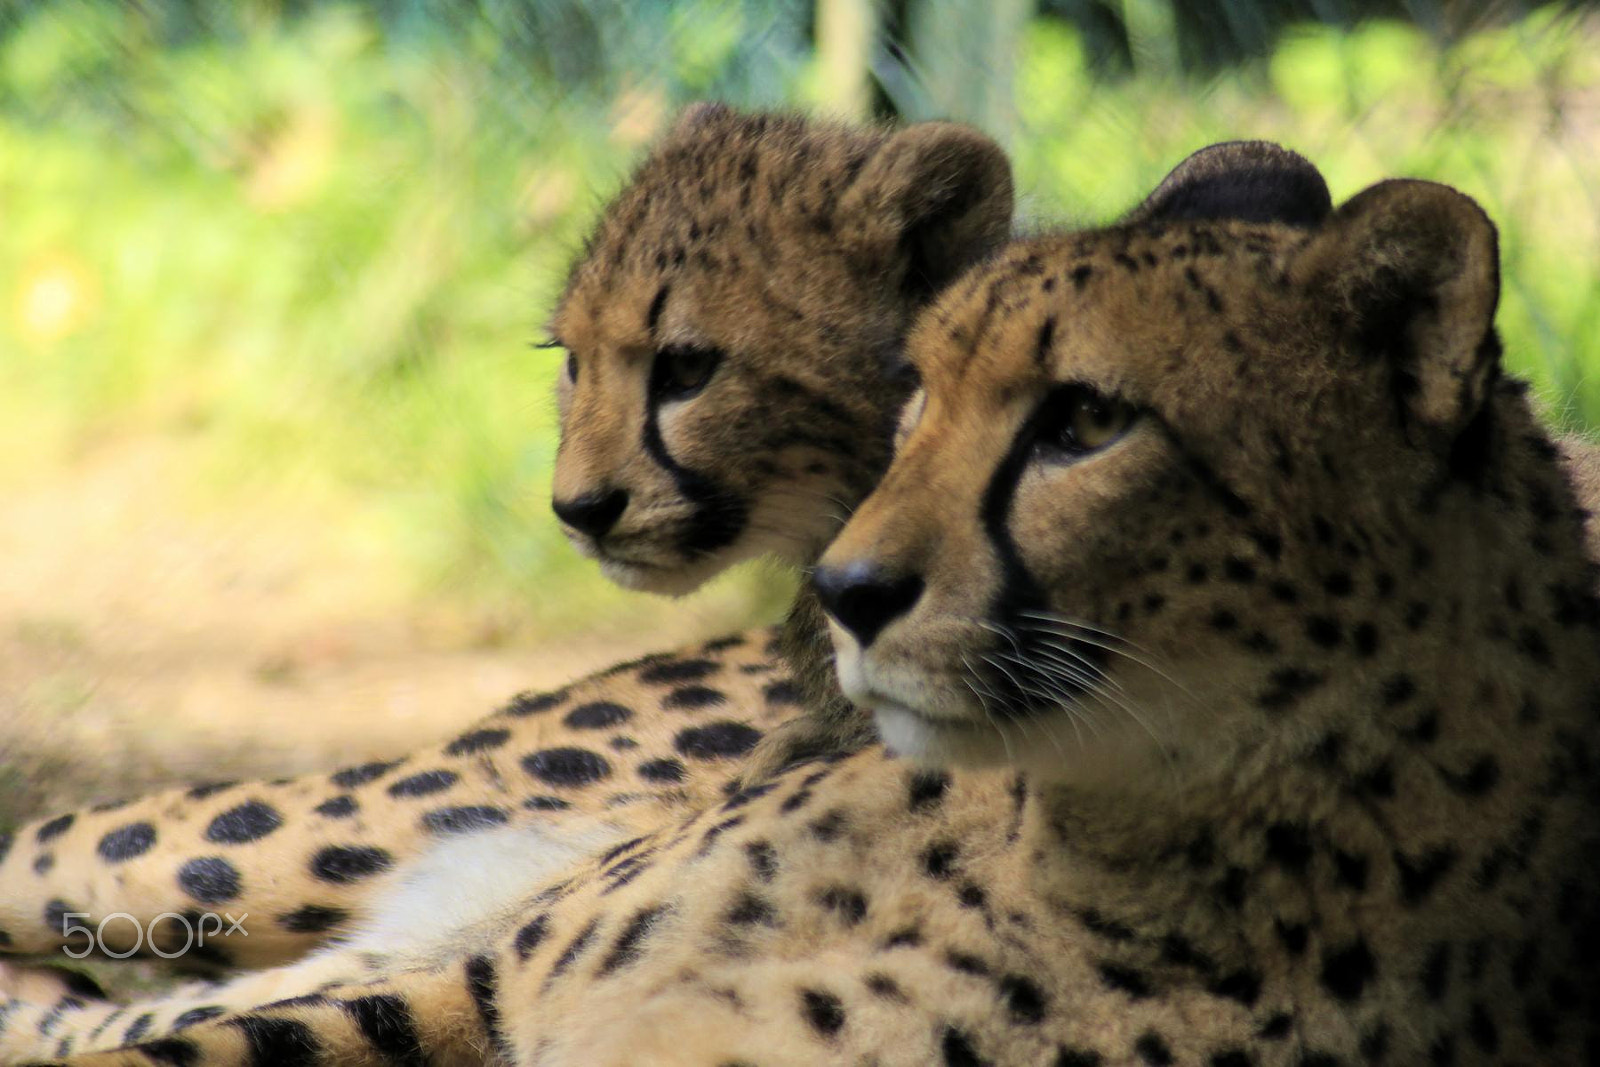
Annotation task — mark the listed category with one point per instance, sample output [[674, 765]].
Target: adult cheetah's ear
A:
[[1252, 181], [936, 192], [1412, 268]]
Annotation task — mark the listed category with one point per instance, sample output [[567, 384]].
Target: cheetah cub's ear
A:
[[936, 192], [1413, 269], [1251, 181]]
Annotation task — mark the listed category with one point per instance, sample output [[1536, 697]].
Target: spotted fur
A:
[[800, 250], [1284, 849]]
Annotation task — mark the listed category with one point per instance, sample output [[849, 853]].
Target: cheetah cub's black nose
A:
[[593, 514], [864, 598]]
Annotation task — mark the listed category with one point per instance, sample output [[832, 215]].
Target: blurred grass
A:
[[314, 250]]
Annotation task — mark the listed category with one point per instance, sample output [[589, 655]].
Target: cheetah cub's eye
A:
[[680, 371], [1075, 420]]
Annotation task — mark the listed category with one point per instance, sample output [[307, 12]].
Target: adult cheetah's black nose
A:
[[864, 598], [593, 514]]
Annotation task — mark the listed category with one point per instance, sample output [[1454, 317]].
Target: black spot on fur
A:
[[138, 1028], [1289, 846], [967, 963], [574, 949], [247, 822], [478, 741], [349, 863], [1323, 631], [530, 936], [1023, 997], [1286, 686], [338, 807], [939, 860], [424, 783], [351, 777], [566, 767], [822, 1011], [693, 698], [1346, 971], [1152, 1049], [763, 859], [280, 1042], [197, 1015], [665, 770], [678, 671], [385, 1020], [1243, 986], [597, 715], [465, 819], [53, 829], [543, 803], [482, 986], [927, 789], [1477, 780], [628, 946], [717, 740], [751, 910], [1350, 870], [1435, 976], [847, 903], [525, 704], [783, 691], [313, 919], [1293, 936], [1124, 979], [126, 842], [209, 879], [1419, 877], [956, 1048]]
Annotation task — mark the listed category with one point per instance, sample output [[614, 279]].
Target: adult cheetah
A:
[[1305, 690]]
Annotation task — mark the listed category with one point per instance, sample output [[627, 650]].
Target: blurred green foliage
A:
[[314, 244]]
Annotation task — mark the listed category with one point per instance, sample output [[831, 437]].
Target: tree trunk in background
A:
[[846, 33], [963, 55]]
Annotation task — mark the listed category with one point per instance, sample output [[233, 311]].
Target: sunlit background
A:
[[274, 448]]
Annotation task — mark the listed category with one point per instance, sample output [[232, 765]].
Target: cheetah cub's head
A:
[[734, 333], [1166, 491]]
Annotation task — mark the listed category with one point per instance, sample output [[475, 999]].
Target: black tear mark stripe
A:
[[657, 305], [719, 514], [1047, 337], [1019, 590]]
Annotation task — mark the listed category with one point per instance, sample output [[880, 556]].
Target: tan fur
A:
[[805, 249], [1334, 844]]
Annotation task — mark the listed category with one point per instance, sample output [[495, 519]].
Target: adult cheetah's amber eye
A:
[[680, 371], [1075, 419]]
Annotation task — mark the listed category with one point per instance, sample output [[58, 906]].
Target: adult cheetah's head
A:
[[734, 331], [1169, 486]]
